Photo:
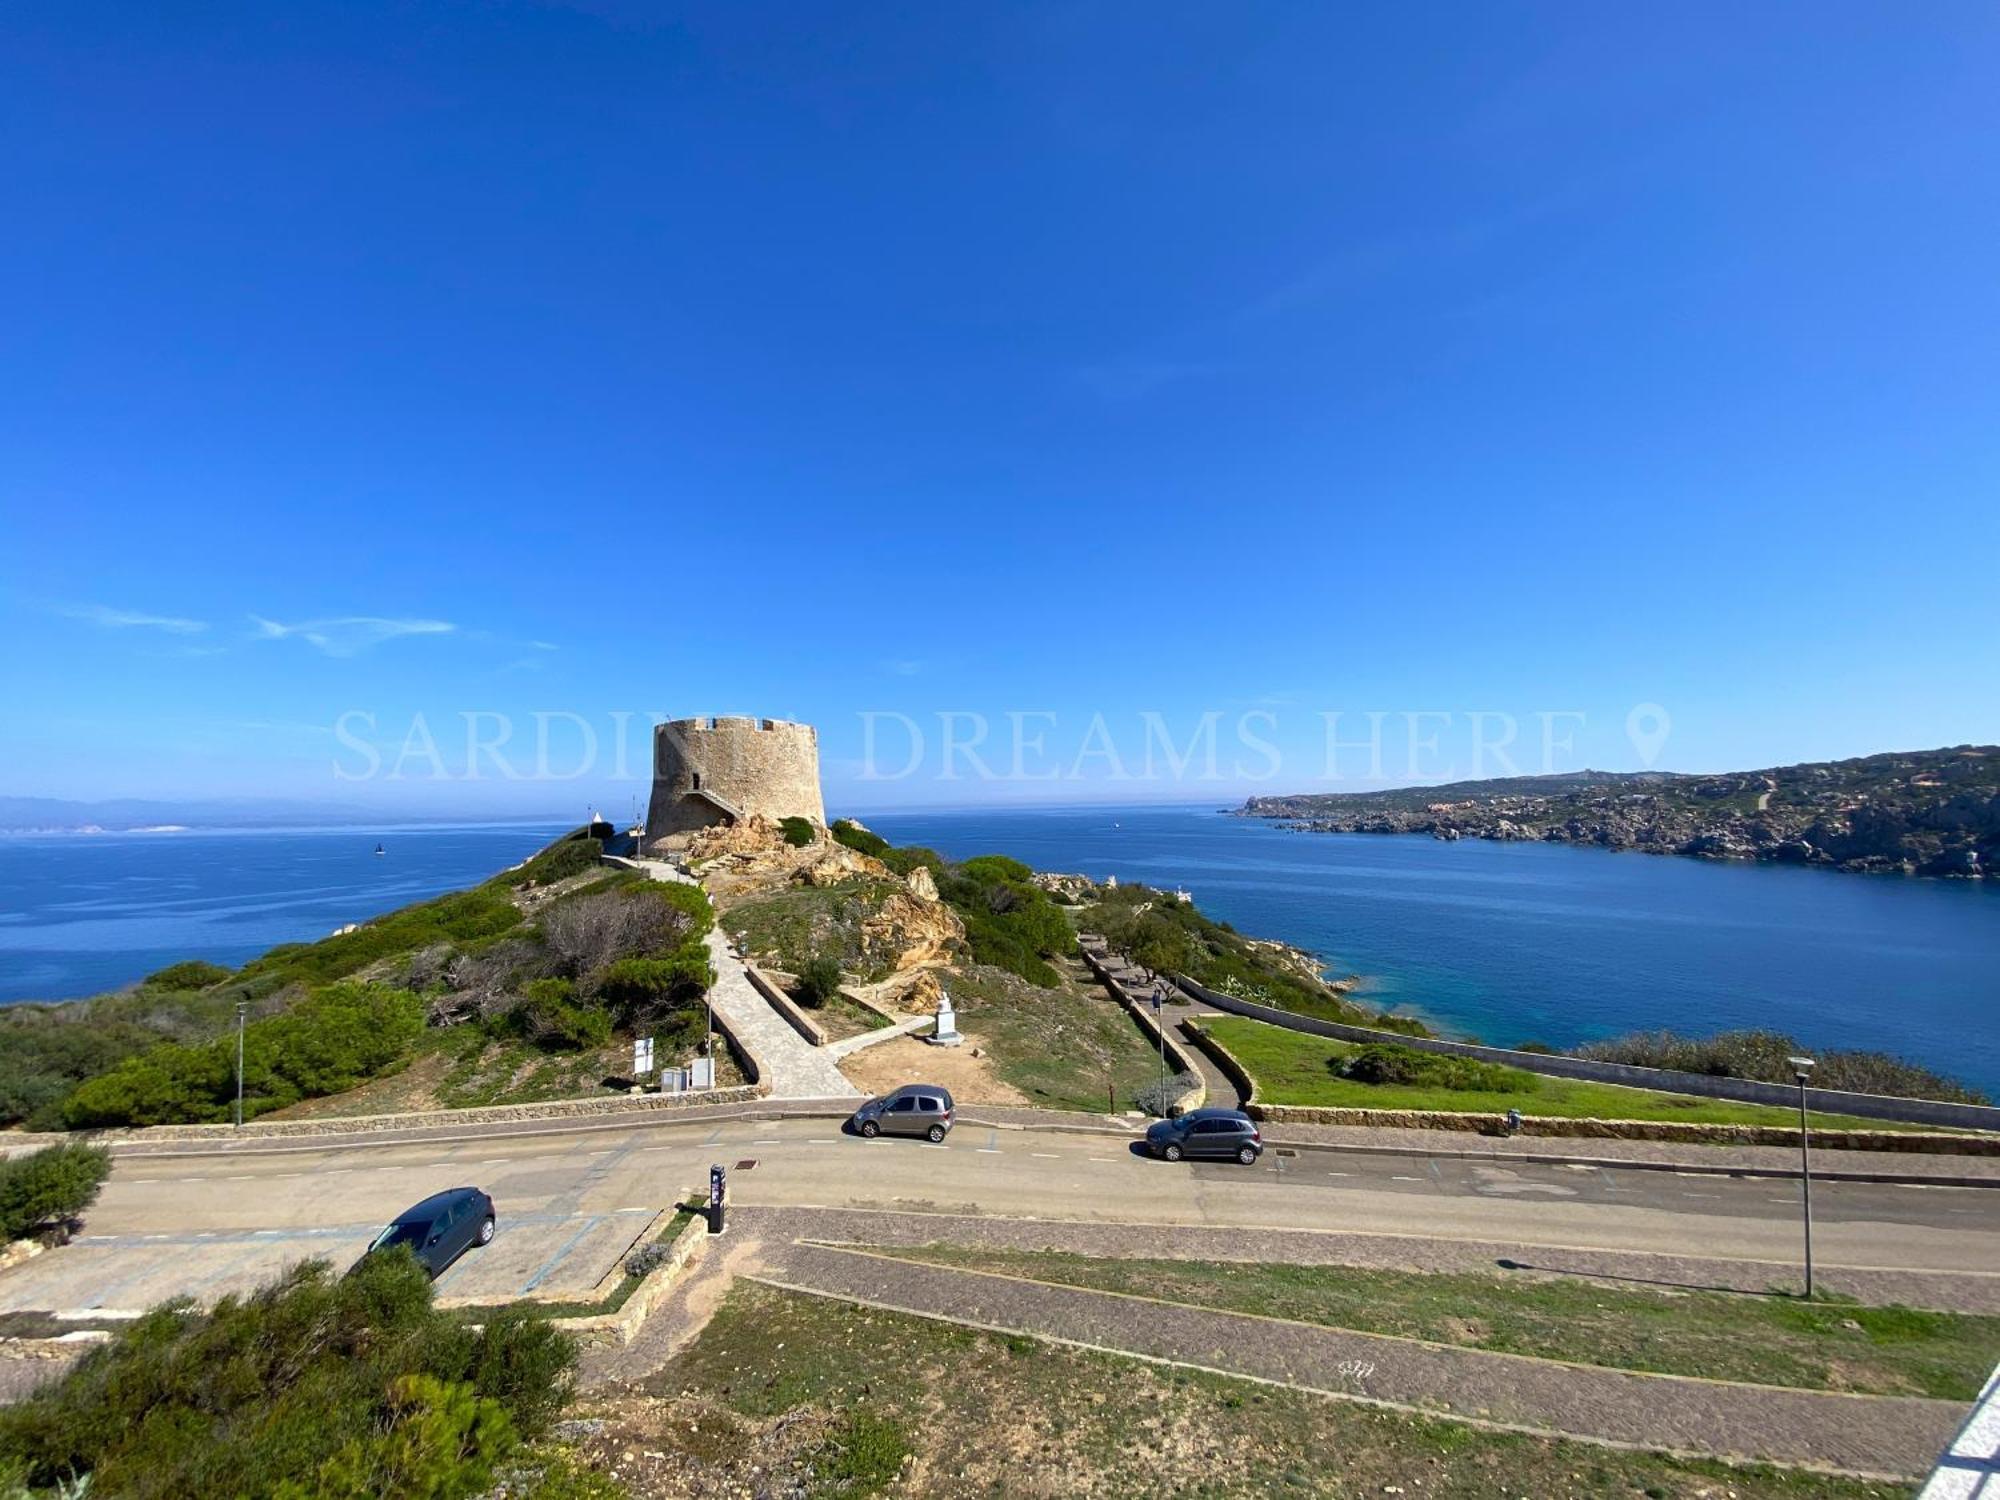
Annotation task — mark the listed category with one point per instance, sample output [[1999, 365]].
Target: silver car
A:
[[919, 1109]]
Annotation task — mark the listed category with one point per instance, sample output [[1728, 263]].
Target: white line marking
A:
[[1046, 1155], [822, 1140], [1106, 1159], [270, 1231], [1409, 1179], [773, 1141], [989, 1150], [1340, 1174], [495, 1161]]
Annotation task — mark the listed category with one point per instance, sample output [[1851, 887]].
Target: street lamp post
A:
[[1802, 1070], [242, 1010]]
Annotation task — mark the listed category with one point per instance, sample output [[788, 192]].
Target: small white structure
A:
[[946, 1033]]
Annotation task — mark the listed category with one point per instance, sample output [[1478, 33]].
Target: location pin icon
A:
[[1647, 727]]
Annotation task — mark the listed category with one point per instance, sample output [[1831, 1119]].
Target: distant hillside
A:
[[1923, 812]]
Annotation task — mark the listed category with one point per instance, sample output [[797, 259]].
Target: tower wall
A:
[[768, 766]]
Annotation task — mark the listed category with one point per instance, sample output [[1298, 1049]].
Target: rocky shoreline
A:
[[1931, 813]]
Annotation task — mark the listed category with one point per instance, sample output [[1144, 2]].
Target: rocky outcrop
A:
[[921, 885], [1933, 812], [906, 931]]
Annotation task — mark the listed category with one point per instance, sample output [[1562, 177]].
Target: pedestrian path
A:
[[851, 1044], [1885, 1436], [792, 1066], [1177, 1009]]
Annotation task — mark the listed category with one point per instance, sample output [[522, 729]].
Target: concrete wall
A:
[[768, 766], [1743, 1090]]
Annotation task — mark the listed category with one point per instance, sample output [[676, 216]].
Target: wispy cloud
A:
[[351, 634], [904, 668], [107, 618]]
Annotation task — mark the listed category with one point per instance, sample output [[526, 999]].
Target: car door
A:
[[438, 1243], [901, 1117], [1210, 1138]]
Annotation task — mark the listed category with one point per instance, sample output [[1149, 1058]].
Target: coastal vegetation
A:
[[1768, 1340], [46, 1191], [316, 1387], [1169, 935], [1290, 1067], [1925, 812], [554, 958], [1766, 1056]]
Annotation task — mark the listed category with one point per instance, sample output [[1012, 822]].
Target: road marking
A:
[[989, 1150], [822, 1140], [1111, 1160], [269, 1231], [636, 1209], [1701, 1195], [932, 1146], [1046, 1155], [1409, 1179], [772, 1141], [1340, 1174], [495, 1161]]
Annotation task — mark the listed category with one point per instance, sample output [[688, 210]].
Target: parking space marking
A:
[[555, 1260], [1046, 1155]]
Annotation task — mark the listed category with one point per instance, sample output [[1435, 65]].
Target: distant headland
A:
[[1920, 812]]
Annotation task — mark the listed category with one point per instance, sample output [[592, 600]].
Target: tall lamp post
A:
[[242, 1010], [1802, 1070]]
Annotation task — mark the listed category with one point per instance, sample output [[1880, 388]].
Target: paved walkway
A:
[[850, 1044], [1874, 1435], [793, 1067], [1177, 1009]]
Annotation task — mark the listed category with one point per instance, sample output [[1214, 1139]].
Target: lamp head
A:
[[1801, 1067]]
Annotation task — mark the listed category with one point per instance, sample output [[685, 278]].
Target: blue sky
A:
[[1084, 362]]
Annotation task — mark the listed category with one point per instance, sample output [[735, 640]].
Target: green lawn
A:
[[1769, 1340], [770, 1390], [1291, 1067]]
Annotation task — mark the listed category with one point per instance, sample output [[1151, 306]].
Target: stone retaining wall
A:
[[618, 1327], [1142, 1016], [782, 1003], [1741, 1090]]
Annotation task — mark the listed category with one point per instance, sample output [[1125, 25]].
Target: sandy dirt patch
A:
[[892, 1064]]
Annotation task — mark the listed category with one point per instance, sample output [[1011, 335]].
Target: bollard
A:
[[718, 1181]]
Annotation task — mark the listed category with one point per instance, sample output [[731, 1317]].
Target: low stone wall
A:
[[1142, 1016], [783, 1004], [617, 1328], [1223, 1058], [1741, 1090]]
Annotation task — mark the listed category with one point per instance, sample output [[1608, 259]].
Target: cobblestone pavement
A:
[[1879, 1435]]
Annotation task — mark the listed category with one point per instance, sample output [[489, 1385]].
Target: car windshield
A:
[[405, 1232]]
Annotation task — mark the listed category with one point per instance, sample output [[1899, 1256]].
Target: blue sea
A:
[[1551, 943], [1507, 942], [82, 913]]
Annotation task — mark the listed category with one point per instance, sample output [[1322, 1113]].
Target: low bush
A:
[[1762, 1056], [193, 974], [49, 1187], [862, 840], [337, 1037], [551, 1017], [798, 831], [1010, 922], [1387, 1063], [902, 861], [316, 1387], [819, 981], [642, 989], [1158, 1097], [571, 856]]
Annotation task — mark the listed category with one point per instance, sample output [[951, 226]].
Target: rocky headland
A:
[[1925, 812]]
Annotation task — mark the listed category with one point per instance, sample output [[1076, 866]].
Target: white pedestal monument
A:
[[946, 1033]]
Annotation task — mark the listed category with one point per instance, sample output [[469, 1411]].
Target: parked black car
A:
[[1207, 1134], [441, 1228]]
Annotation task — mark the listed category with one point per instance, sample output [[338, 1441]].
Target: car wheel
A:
[[870, 1129], [1171, 1153], [486, 1231], [1248, 1156], [936, 1133]]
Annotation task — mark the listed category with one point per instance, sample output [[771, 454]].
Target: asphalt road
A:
[[570, 1202]]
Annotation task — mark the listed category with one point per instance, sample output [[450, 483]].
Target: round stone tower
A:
[[711, 771]]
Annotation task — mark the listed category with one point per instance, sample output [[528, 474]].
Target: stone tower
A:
[[720, 771]]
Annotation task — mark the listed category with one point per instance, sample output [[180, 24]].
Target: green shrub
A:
[[902, 861], [864, 1453], [819, 981], [863, 840], [690, 900], [1010, 922], [193, 974], [573, 855], [313, 1387], [798, 832], [334, 1039], [642, 988], [1385, 1062], [1762, 1056], [551, 1017], [51, 1186], [461, 918]]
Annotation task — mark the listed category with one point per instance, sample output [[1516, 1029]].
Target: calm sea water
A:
[[1542, 942], [1508, 942], [81, 914]]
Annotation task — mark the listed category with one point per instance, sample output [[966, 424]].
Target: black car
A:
[[1207, 1134], [441, 1228]]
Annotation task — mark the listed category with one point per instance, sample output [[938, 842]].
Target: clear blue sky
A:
[[1072, 360]]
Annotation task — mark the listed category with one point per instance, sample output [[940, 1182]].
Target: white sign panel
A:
[[642, 1057]]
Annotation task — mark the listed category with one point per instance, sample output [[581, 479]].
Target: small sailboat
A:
[[379, 850]]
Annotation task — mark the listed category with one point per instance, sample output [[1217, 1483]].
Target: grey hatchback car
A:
[[920, 1109], [1208, 1135], [441, 1228]]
